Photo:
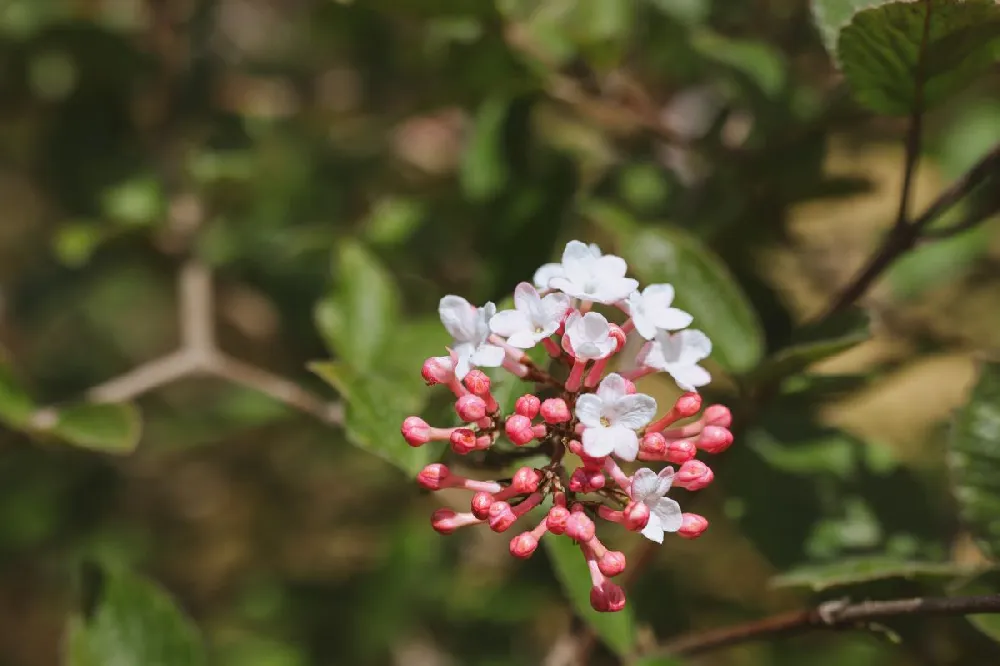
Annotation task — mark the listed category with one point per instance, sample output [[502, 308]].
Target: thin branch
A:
[[839, 614], [146, 377]]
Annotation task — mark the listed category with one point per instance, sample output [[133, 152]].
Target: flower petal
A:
[[694, 346], [644, 483], [595, 327], [664, 480], [524, 339], [556, 306], [632, 411], [671, 319], [567, 286], [658, 296], [612, 290], [458, 316], [508, 322], [598, 442], [652, 530], [577, 261], [626, 443], [526, 298], [545, 273], [690, 377], [488, 356], [668, 514], [588, 410], [610, 267], [644, 325], [610, 390]]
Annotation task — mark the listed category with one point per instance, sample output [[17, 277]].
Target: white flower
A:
[[549, 271], [592, 278], [664, 513], [678, 354], [589, 335], [651, 311], [469, 326], [610, 418], [533, 319]]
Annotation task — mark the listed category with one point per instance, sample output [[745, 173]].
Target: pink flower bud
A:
[[555, 410], [595, 479], [525, 481], [437, 370], [519, 429], [527, 406], [688, 405], [557, 519], [715, 439], [416, 431], [653, 446], [607, 598], [470, 408], [501, 517], [693, 475], [578, 481], [481, 503], [477, 382], [579, 527], [612, 563], [680, 451], [434, 476], [692, 525], [523, 545], [446, 521], [717, 415], [636, 516], [463, 441]]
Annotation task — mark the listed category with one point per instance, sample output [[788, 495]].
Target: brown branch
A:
[[839, 614]]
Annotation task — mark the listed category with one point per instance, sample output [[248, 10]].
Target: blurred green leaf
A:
[[484, 171], [984, 584], [687, 12], [617, 630], [828, 452], [135, 622], [831, 16], [852, 571], [135, 202], [656, 661], [108, 428], [16, 406], [357, 319], [759, 61], [375, 412], [899, 57], [705, 288], [974, 457], [393, 220]]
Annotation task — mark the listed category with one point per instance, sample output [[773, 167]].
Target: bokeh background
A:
[[324, 155]]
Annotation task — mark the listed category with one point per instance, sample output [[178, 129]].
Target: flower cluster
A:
[[598, 417]]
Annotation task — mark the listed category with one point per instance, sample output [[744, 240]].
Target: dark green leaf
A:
[[484, 170], [656, 661], [865, 569], [135, 622], [975, 459], [16, 406], [831, 16], [109, 428], [901, 57], [617, 630]]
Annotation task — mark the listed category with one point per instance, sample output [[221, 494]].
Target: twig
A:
[[838, 614]]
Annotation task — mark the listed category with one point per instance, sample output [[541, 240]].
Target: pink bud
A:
[[693, 475], [557, 519], [607, 598], [501, 517], [578, 481], [688, 405], [523, 545], [442, 521], [481, 503], [527, 406], [653, 446], [433, 476], [555, 410], [416, 431], [470, 408], [715, 439], [437, 370], [717, 415], [526, 480], [692, 525], [595, 479], [579, 527], [612, 563], [463, 441], [518, 429], [680, 451], [477, 382], [636, 516]]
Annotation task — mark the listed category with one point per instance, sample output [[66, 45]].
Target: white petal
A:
[[633, 411], [508, 322], [644, 483], [524, 339], [671, 319], [664, 480], [644, 326], [556, 306], [546, 273], [690, 377], [610, 267], [668, 514], [652, 530], [604, 348], [525, 296], [651, 355], [611, 389], [598, 442], [588, 410], [626, 443], [577, 261], [568, 287], [658, 296], [613, 290], [695, 346], [458, 317], [463, 355], [595, 326], [488, 356]]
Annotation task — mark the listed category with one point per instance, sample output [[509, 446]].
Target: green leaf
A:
[[831, 16], [656, 661], [16, 406], [758, 60], [617, 630], [686, 12], [853, 571], [974, 458], [483, 171], [357, 318], [705, 288], [375, 411], [904, 57], [135, 622], [108, 427], [984, 584], [811, 345], [135, 202]]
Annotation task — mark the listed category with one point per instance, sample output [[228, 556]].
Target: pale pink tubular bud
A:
[[609, 514], [501, 517], [575, 447], [607, 598], [555, 410], [525, 481], [717, 415], [580, 527], [470, 408], [557, 519], [576, 372], [416, 431], [612, 563], [481, 503], [437, 370], [692, 525], [686, 406], [714, 439], [636, 516], [446, 521], [463, 441], [616, 474], [434, 476], [693, 475], [529, 503], [523, 545], [527, 406]]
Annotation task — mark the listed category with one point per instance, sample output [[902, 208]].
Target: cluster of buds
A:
[[597, 416]]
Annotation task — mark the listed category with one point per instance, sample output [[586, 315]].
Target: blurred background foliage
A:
[[341, 165]]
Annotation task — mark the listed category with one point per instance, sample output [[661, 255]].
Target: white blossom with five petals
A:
[[533, 318], [649, 488], [650, 311], [610, 418], [549, 271], [600, 278], [469, 326], [588, 336], [678, 354]]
